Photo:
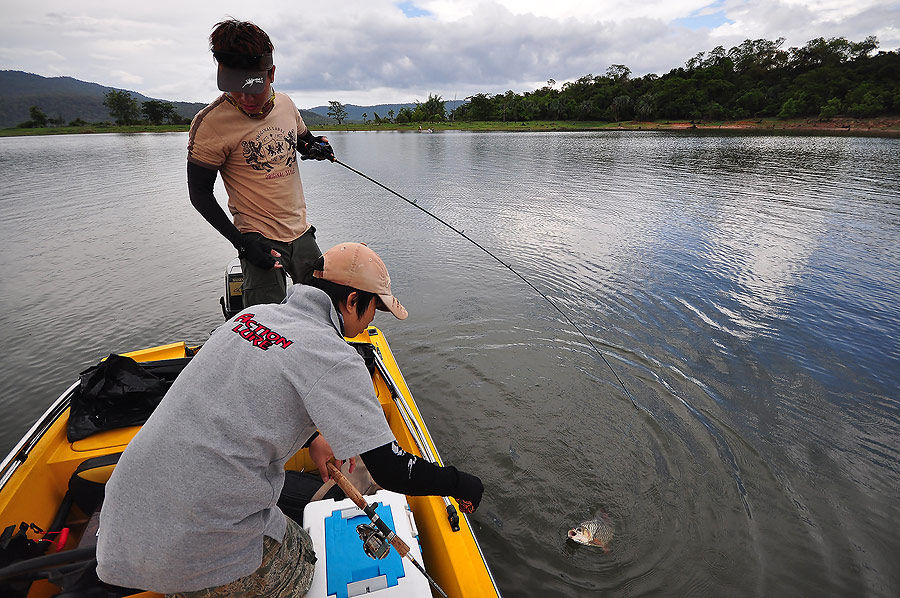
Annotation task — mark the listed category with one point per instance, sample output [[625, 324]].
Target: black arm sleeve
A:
[[308, 137], [396, 470], [200, 188]]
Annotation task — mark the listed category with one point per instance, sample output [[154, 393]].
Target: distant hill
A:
[[70, 99], [354, 112]]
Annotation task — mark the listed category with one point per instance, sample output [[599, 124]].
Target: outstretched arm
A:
[[395, 469]]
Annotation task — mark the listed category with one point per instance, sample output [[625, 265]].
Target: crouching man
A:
[[190, 509]]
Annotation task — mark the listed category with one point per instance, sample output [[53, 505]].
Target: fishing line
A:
[[508, 267]]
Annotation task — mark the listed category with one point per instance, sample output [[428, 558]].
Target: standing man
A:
[[190, 509], [251, 135]]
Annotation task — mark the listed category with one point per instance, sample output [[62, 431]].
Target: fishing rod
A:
[[382, 527], [415, 204]]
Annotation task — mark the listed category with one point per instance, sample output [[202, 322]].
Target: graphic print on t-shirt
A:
[[257, 333], [272, 148]]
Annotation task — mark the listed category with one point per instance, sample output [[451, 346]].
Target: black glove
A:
[[258, 254], [317, 150], [468, 492]]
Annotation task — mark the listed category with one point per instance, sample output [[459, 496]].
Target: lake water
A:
[[746, 290]]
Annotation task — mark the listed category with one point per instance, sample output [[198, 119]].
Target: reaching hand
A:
[[319, 149], [468, 493], [320, 452], [259, 254]]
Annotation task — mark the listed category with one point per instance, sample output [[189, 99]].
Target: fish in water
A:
[[595, 532]]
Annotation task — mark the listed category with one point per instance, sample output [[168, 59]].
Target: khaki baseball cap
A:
[[356, 266]]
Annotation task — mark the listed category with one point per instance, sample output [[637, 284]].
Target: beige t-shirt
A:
[[258, 162]]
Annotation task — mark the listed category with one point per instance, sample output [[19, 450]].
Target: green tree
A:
[[864, 48], [617, 72], [38, 118], [433, 109], [404, 115], [479, 107], [646, 107], [337, 111], [391, 114], [870, 105], [831, 109], [621, 108], [365, 116], [793, 106], [122, 107], [156, 111]]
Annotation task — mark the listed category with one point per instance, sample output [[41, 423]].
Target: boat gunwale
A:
[[420, 427], [19, 454]]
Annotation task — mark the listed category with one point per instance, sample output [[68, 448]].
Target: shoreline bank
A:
[[876, 127]]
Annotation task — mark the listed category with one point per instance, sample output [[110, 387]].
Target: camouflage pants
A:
[[286, 570]]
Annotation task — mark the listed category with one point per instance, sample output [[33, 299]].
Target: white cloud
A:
[[365, 52]]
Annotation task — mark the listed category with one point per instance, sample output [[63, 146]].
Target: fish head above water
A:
[[596, 532], [580, 535]]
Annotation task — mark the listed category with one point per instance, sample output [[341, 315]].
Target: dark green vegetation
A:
[[121, 107], [65, 100], [823, 79]]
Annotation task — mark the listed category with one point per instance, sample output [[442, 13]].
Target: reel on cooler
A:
[[375, 544]]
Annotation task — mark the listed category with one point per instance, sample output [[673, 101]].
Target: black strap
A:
[[48, 561]]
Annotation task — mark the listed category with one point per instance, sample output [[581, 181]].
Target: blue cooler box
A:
[[343, 569]]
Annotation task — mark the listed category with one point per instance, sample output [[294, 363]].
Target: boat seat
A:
[[87, 486]]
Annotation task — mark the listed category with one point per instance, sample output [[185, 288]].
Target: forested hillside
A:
[[65, 99], [823, 79]]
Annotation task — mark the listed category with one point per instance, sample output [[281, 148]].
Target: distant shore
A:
[[879, 127]]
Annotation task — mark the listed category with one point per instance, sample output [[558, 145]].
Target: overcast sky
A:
[[381, 51]]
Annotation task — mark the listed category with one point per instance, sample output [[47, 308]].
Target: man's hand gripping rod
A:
[[395, 540]]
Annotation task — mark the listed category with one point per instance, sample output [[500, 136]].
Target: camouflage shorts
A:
[[286, 570]]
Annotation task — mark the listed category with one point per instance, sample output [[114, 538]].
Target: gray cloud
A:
[[370, 52]]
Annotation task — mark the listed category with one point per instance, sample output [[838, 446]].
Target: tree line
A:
[[758, 78], [123, 108], [822, 79], [432, 110]]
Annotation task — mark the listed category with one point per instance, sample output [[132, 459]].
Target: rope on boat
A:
[[508, 267]]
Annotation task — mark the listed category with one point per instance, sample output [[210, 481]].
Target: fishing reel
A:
[[317, 150], [375, 545]]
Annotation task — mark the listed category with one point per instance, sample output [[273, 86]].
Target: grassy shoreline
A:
[[881, 127]]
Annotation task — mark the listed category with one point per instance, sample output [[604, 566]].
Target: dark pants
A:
[[297, 258]]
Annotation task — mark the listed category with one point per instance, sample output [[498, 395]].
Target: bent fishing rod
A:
[[388, 535], [415, 204]]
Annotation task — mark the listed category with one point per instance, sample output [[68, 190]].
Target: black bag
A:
[[119, 392], [299, 488]]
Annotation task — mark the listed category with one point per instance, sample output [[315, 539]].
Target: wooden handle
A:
[[348, 488], [354, 495]]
